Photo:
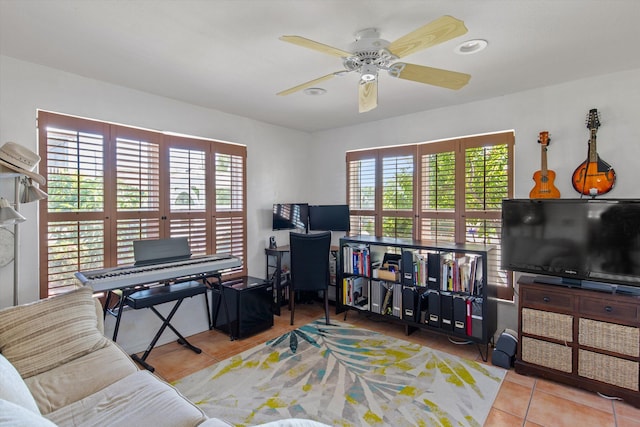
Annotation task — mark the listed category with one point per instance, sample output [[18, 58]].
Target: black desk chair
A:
[[309, 266]]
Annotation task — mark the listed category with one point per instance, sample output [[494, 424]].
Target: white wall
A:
[[277, 154], [274, 155], [560, 109]]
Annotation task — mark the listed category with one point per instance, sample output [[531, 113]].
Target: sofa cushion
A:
[[140, 399], [80, 377], [44, 334], [13, 388], [12, 415]]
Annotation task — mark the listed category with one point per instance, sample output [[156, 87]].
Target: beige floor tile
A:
[[627, 422], [524, 380], [498, 418], [551, 410], [513, 398], [577, 395], [626, 411]]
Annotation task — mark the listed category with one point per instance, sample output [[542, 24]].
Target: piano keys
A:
[[122, 277]]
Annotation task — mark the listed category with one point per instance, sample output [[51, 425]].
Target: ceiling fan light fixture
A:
[[315, 91], [369, 73], [470, 47]]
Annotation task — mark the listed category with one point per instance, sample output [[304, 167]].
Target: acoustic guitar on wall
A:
[[544, 178], [594, 176]]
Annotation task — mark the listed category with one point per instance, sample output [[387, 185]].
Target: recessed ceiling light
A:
[[471, 46], [315, 91]]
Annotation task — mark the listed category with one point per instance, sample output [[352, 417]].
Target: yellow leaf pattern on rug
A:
[[345, 376]]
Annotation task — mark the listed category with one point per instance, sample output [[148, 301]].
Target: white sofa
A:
[[57, 368]]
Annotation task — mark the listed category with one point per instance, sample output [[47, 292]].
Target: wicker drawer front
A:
[[546, 324], [611, 337], [608, 369], [547, 354]]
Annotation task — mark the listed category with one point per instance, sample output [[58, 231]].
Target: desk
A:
[[282, 279]]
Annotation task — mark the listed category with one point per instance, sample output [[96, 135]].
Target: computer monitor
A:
[[329, 218]]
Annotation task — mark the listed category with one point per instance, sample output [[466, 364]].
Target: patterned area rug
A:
[[345, 376]]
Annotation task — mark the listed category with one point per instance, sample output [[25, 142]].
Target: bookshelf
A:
[[421, 285]]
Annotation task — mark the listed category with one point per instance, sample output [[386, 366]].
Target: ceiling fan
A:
[[371, 54]]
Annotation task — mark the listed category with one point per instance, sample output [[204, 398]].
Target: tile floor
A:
[[522, 401]]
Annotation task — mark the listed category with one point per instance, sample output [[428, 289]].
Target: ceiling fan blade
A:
[[367, 96], [433, 76], [306, 85], [301, 41], [435, 32]]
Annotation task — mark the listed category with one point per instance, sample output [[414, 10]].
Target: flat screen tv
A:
[[580, 241], [290, 216], [329, 218]]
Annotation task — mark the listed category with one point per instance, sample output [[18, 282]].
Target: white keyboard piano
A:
[[122, 277]]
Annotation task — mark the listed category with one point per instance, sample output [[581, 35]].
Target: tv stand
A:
[[580, 337]]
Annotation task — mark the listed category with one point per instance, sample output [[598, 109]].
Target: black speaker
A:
[[504, 353]]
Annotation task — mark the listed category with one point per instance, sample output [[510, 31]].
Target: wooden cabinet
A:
[[584, 338], [405, 295]]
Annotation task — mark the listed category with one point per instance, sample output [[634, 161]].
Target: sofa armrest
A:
[[99, 314]]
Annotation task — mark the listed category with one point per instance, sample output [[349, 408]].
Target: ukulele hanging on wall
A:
[[544, 178], [594, 176]]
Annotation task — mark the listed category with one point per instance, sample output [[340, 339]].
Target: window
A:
[[109, 185], [444, 191]]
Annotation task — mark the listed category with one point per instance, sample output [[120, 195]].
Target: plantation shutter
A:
[[437, 192], [361, 191], [75, 233], [137, 184], [187, 213], [398, 167], [109, 185], [230, 201], [487, 180]]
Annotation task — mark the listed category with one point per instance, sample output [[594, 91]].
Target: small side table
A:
[[250, 304]]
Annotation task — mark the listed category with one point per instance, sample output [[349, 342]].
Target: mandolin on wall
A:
[[594, 176]]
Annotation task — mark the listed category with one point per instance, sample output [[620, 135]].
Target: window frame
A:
[[459, 214], [109, 216]]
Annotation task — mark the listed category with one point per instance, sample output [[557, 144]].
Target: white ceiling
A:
[[225, 54]]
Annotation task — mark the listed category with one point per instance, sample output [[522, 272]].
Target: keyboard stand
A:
[[137, 298], [142, 296]]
